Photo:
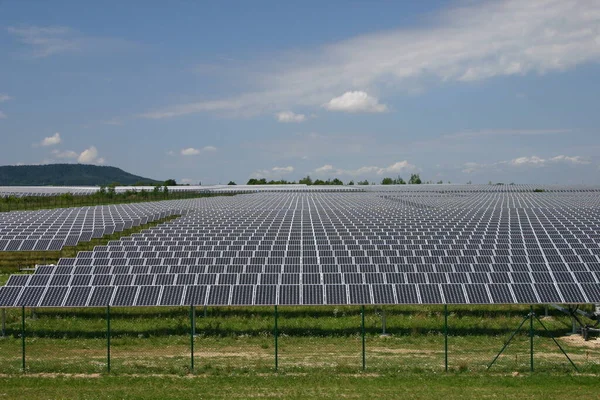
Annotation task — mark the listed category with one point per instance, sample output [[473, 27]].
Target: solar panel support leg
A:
[[531, 338], [108, 339], [3, 322], [446, 337], [558, 344], [23, 338], [192, 332], [509, 340], [383, 323], [276, 334], [362, 315]]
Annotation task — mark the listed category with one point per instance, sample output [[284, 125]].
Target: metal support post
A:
[[364, 360], [108, 339], [446, 337], [23, 337], [383, 323], [558, 344], [531, 337], [192, 331], [508, 342], [276, 334], [204, 311], [3, 322]]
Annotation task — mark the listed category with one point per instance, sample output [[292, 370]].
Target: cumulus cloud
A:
[[395, 168], [191, 151], [90, 156], [456, 45], [355, 102], [289, 116], [536, 161], [66, 154], [527, 161], [4, 97], [51, 140], [275, 172]]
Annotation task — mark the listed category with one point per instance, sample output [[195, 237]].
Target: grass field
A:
[[319, 354]]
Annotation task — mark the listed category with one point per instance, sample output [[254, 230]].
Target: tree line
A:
[[415, 179]]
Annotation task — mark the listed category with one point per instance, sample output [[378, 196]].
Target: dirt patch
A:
[[403, 351], [577, 341]]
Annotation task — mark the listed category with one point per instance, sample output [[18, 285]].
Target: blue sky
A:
[[453, 90]]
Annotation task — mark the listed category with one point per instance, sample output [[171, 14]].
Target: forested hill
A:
[[67, 175]]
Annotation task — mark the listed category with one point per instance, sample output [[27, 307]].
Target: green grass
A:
[[302, 386], [319, 354], [14, 261]]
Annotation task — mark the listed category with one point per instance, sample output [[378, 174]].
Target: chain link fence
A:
[[344, 339]]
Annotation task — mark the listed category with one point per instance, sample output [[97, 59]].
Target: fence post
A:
[[108, 339], [276, 344], [446, 337], [23, 337], [531, 336], [364, 360], [192, 331]]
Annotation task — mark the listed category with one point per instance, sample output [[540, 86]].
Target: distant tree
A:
[[165, 190], [156, 190], [399, 181], [365, 182], [110, 192], [319, 182], [468, 183], [336, 181], [415, 179], [351, 183], [231, 183], [440, 182], [170, 182], [387, 181], [490, 183], [306, 180], [102, 190]]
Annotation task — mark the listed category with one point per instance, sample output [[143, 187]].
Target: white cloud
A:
[[2, 115], [535, 161], [456, 45], [191, 151], [289, 116], [396, 168], [527, 161], [65, 154], [355, 102], [4, 97], [325, 168], [275, 172], [90, 156], [52, 140], [283, 170]]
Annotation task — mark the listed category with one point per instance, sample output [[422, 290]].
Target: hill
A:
[[67, 175]]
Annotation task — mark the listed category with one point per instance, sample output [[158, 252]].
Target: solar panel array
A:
[[375, 247], [53, 229]]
